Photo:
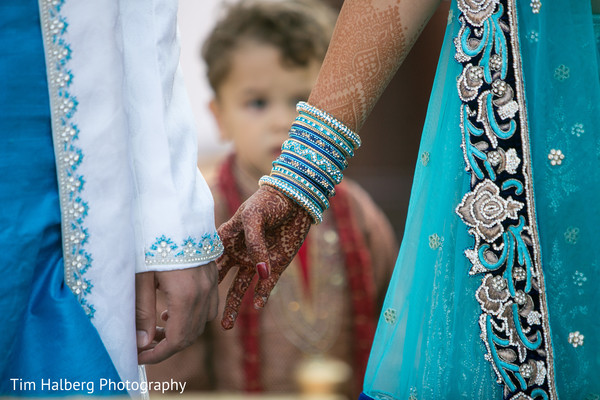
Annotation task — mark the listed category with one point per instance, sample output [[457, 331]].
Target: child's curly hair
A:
[[300, 29]]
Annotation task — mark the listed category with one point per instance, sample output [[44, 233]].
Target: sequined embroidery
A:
[[382, 396], [562, 73], [536, 5], [577, 130], [576, 339], [74, 209], [165, 251], [435, 241], [413, 394], [572, 235], [390, 315], [556, 157], [425, 157], [579, 278], [533, 36], [499, 208]]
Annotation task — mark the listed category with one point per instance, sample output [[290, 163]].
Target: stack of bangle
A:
[[312, 159]]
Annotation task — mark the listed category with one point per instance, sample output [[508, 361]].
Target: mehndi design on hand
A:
[[268, 228]]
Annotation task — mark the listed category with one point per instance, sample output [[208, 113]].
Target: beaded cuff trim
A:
[[499, 209], [65, 133], [192, 250]]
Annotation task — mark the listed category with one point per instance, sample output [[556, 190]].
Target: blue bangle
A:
[[302, 184], [319, 144], [303, 169], [313, 158], [333, 138], [303, 107], [298, 146], [317, 124], [309, 166]]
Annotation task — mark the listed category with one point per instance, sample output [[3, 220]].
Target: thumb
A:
[[145, 308]]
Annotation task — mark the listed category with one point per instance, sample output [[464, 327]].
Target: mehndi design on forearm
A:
[[371, 40]]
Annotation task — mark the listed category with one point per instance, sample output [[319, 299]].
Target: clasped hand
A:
[[191, 299], [263, 236]]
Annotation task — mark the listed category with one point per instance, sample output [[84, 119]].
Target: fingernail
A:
[[263, 271], [260, 302], [142, 338], [228, 321]]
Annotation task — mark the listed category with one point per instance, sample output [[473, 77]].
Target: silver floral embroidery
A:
[[425, 157], [556, 157], [562, 73], [74, 209], [533, 36], [534, 318], [435, 241], [382, 395], [577, 130], [390, 316], [535, 6], [165, 251], [572, 235], [413, 394], [485, 210], [576, 339], [579, 278], [512, 161]]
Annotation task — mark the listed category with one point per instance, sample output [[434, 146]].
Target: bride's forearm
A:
[[370, 41]]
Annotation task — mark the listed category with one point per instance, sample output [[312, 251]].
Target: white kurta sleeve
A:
[[174, 221]]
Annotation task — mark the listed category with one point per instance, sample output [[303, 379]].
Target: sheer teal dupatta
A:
[[433, 339]]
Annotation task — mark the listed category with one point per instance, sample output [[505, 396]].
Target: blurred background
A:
[[385, 164]]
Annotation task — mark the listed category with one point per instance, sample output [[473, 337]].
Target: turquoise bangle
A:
[[333, 138], [303, 107], [298, 146], [313, 175], [319, 144], [303, 184], [313, 158]]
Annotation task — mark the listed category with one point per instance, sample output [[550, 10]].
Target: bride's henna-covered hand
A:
[[263, 236]]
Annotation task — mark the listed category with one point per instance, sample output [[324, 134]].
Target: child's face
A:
[[256, 104]]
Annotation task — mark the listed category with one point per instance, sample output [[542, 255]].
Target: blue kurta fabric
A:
[[428, 343], [46, 335]]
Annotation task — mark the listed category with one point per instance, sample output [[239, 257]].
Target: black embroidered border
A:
[[499, 209]]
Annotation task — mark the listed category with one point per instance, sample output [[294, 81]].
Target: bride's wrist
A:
[[312, 160]]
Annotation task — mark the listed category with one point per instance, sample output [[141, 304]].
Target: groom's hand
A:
[[191, 300]]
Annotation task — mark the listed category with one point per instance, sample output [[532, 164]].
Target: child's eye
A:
[[257, 104]]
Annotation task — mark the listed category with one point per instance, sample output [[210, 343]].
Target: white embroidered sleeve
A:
[[175, 220]]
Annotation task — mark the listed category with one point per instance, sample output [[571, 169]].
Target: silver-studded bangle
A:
[[296, 195], [312, 160], [338, 126]]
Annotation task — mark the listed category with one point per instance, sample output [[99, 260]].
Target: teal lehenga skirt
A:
[[444, 332]]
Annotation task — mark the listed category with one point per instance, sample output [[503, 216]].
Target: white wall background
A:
[[196, 19]]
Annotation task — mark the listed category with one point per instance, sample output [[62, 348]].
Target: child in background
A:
[[262, 58]]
